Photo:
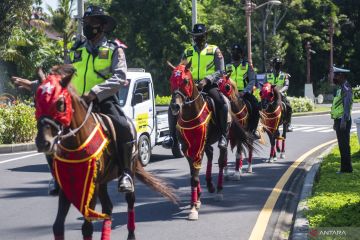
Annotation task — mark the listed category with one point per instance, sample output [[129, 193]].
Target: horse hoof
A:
[[211, 188], [282, 156], [270, 160], [193, 215], [236, 176], [198, 204], [219, 197], [249, 170], [275, 159], [131, 236]]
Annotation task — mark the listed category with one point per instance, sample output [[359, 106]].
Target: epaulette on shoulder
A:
[[77, 44], [117, 43]]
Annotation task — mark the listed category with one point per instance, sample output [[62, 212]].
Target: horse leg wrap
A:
[[220, 179], [194, 195], [283, 146], [88, 238], [199, 189], [277, 145], [106, 230], [59, 237], [131, 220], [250, 157]]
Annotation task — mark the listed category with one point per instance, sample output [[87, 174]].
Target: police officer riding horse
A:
[[207, 67]]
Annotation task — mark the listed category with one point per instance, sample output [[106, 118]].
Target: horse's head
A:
[[53, 107], [182, 85], [267, 95], [226, 86]]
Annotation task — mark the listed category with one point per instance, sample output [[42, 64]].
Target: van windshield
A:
[[123, 93]]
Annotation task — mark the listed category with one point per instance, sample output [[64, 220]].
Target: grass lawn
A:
[[336, 197]]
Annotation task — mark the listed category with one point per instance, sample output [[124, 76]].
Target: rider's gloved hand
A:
[[202, 83], [89, 97]]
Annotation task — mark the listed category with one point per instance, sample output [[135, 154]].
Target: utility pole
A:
[[248, 31], [331, 33], [194, 12], [80, 14], [308, 58]]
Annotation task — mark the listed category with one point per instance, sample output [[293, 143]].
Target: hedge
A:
[[17, 123], [301, 104]]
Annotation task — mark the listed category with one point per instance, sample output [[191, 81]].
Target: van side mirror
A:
[[138, 98]]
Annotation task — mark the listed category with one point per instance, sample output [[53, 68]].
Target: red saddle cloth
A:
[[194, 134], [271, 120], [76, 170]]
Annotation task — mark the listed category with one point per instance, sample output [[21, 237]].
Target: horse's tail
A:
[[241, 138], [154, 182]]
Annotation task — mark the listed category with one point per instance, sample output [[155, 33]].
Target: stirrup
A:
[[223, 142], [168, 143], [123, 186]]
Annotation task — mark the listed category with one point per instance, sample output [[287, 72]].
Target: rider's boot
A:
[[126, 183], [222, 117], [172, 140]]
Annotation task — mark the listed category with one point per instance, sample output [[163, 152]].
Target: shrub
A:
[[165, 100], [301, 104], [17, 123], [356, 92]]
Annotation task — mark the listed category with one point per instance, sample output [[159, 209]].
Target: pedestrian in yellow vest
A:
[[207, 67], [281, 80], [100, 72], [341, 113], [241, 75]]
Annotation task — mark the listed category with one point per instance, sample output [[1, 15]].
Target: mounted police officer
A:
[[100, 72], [281, 80], [240, 74], [207, 67], [341, 113]]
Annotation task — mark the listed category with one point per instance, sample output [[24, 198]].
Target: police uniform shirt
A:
[[347, 100], [286, 81], [218, 61]]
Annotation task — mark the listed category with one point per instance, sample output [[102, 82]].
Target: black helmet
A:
[[98, 12], [199, 29], [277, 61], [237, 48]]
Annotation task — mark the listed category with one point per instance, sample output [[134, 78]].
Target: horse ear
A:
[[41, 74], [170, 65], [67, 71], [188, 65]]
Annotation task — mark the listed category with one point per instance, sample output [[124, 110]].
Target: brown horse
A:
[[197, 131], [241, 110], [272, 115], [68, 129]]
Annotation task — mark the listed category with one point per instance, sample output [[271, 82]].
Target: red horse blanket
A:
[[76, 170], [271, 120], [194, 134]]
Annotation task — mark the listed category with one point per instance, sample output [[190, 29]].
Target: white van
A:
[[138, 102]]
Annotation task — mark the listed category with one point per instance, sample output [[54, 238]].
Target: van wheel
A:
[[144, 150], [176, 151]]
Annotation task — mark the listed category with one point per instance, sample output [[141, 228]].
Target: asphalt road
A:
[[27, 212]]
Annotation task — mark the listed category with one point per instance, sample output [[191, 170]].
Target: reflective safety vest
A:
[[337, 107], [279, 81], [202, 64], [91, 70], [237, 75]]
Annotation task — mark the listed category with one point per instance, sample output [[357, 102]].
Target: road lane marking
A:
[[320, 115], [19, 158], [316, 129], [328, 130], [265, 214], [300, 128], [16, 153]]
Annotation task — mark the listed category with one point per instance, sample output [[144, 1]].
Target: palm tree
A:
[[62, 22]]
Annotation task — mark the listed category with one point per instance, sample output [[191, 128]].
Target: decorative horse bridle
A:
[[60, 129], [186, 99]]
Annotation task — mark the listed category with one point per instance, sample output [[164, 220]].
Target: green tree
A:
[[62, 22]]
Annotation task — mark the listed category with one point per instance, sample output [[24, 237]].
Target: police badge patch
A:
[[104, 54]]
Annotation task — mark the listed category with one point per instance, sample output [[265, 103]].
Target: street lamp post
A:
[[80, 13], [194, 12], [308, 58], [331, 33], [249, 7]]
